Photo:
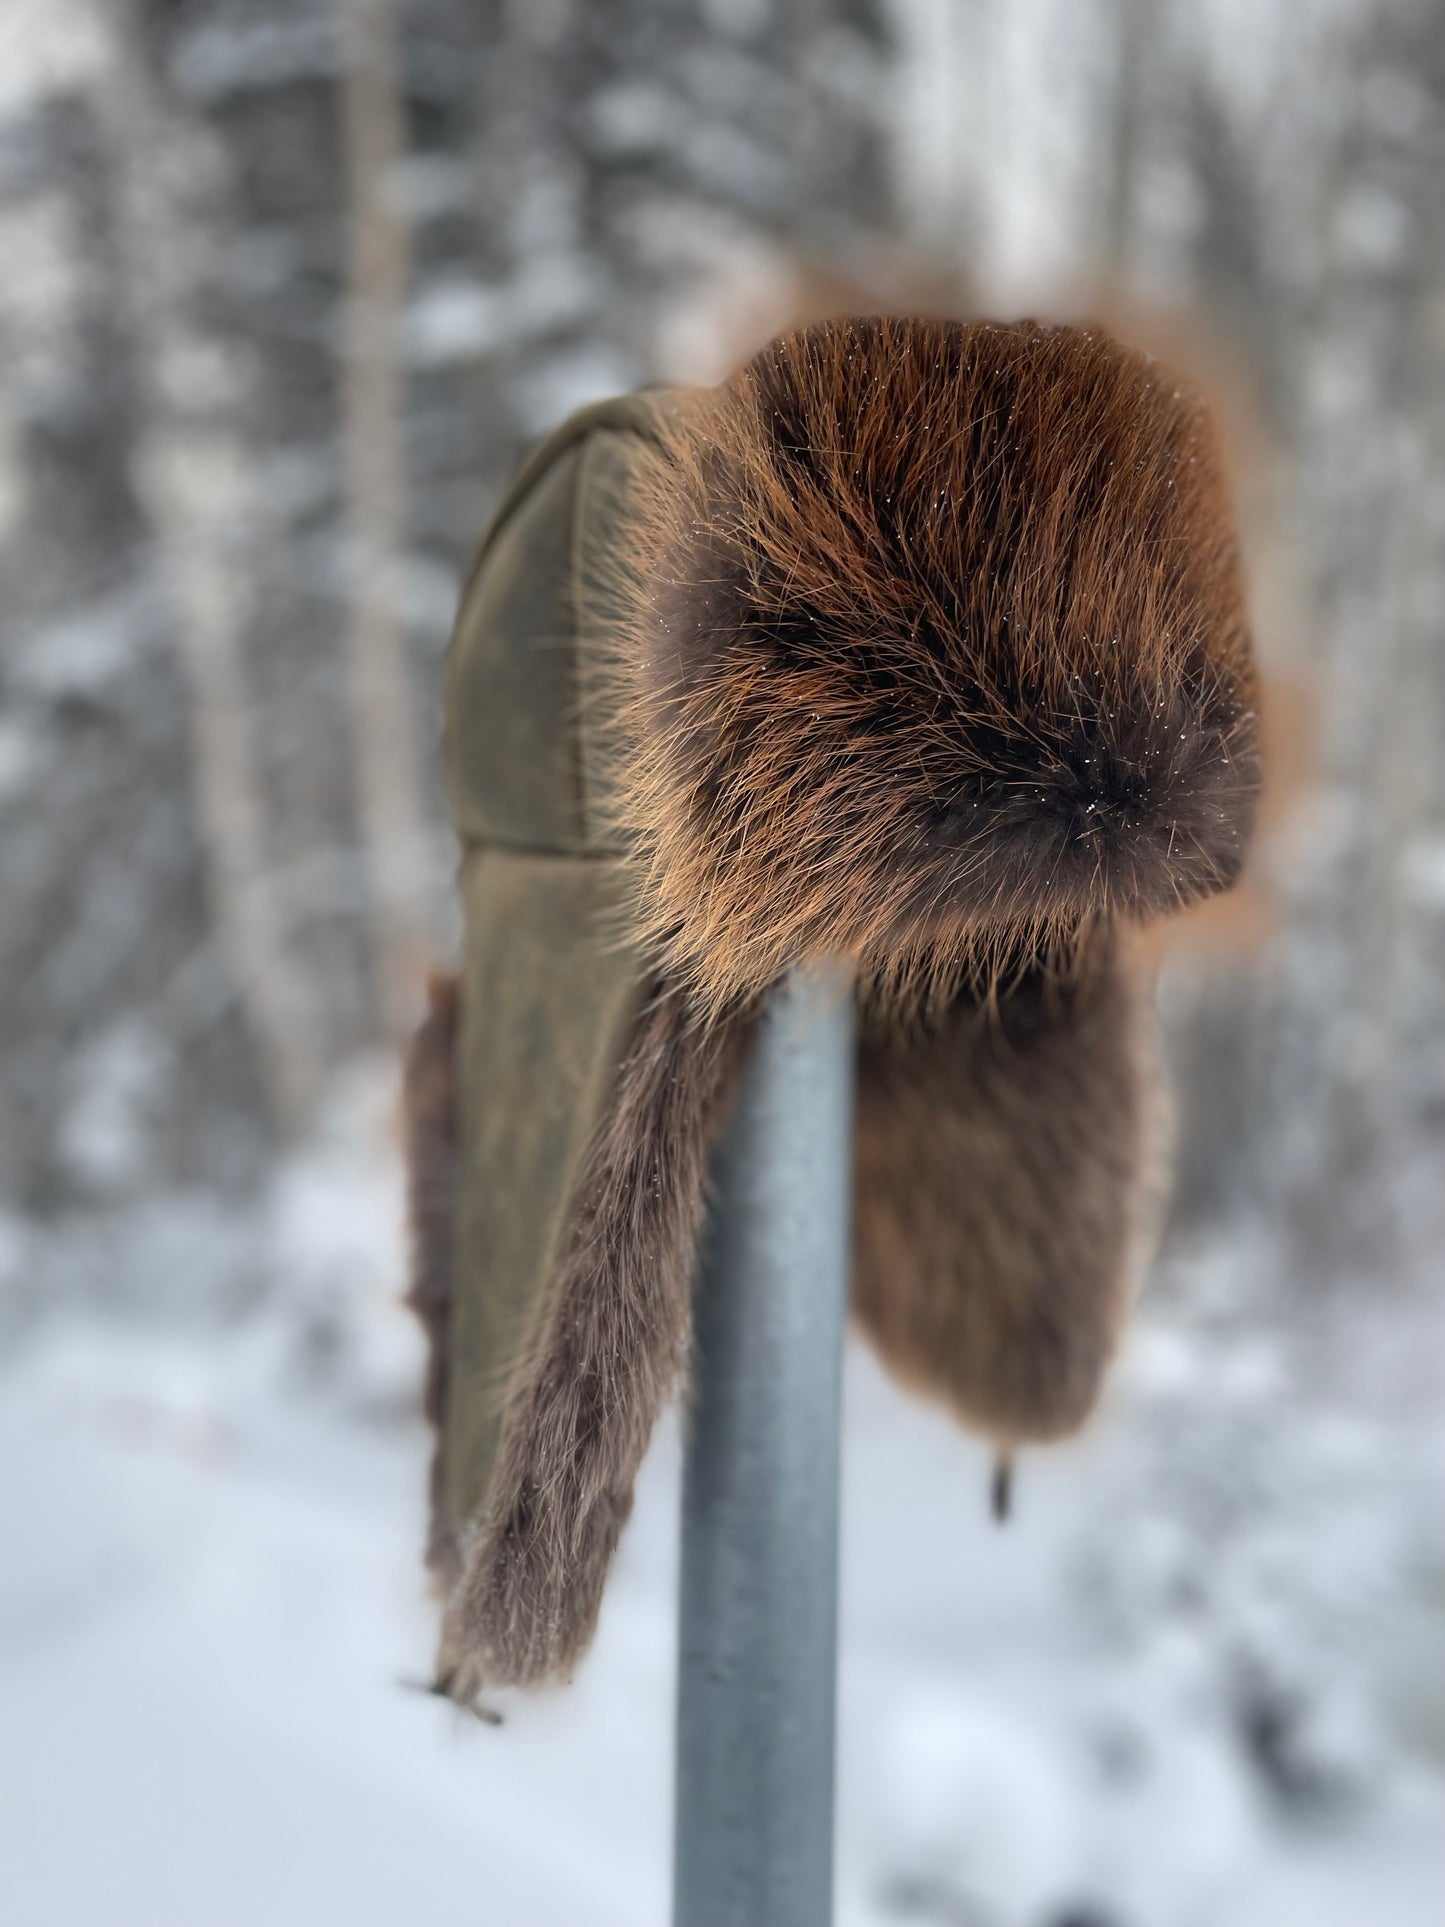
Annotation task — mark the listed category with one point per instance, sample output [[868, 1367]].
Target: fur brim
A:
[[933, 646]]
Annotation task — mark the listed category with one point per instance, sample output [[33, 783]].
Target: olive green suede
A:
[[551, 997], [515, 708], [549, 1004], [512, 698]]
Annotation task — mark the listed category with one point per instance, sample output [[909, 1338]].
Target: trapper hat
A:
[[917, 644]]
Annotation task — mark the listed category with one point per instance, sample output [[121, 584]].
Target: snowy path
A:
[[210, 1597]]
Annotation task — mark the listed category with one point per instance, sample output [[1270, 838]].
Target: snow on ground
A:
[[1197, 1680]]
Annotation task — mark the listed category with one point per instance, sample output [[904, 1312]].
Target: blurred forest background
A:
[[285, 288], [286, 291]]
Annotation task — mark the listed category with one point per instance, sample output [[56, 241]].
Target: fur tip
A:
[[1001, 1490], [441, 1688]]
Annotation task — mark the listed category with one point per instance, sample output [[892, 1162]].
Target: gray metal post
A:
[[757, 1660]]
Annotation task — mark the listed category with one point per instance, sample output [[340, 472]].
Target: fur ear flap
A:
[[611, 1344], [1003, 1192]]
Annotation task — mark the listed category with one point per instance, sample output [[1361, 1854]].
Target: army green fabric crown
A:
[[550, 996]]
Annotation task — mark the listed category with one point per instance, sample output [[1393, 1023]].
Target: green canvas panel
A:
[[514, 705], [512, 701], [549, 999], [608, 464], [549, 1004]]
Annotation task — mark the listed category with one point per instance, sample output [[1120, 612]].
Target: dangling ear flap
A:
[[1003, 1185], [608, 1348], [561, 1100]]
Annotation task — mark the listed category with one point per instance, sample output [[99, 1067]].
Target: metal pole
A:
[[757, 1659]]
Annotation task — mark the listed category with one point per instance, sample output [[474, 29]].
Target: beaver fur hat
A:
[[916, 644]]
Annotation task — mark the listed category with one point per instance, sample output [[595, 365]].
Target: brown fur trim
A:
[[932, 646], [429, 1110], [1001, 1197], [613, 1342]]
